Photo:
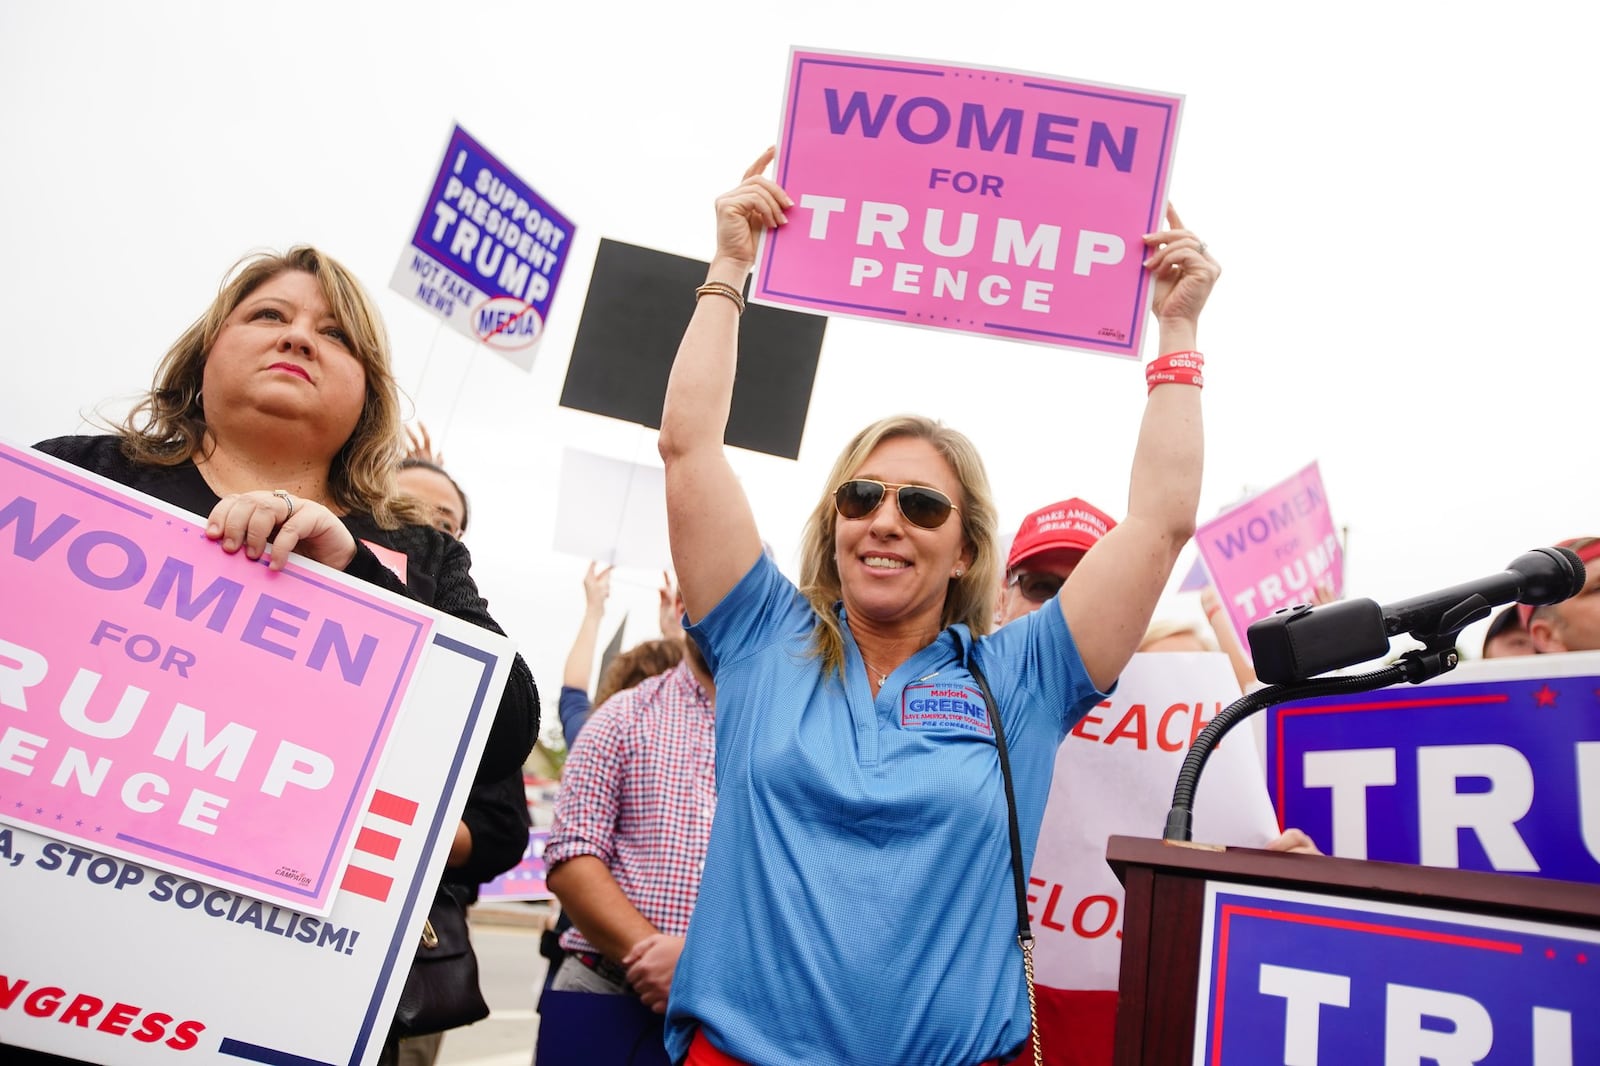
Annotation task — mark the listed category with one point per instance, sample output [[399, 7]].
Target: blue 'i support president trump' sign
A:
[[486, 253]]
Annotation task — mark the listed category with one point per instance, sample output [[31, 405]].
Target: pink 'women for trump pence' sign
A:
[[169, 703], [974, 199], [1272, 550]]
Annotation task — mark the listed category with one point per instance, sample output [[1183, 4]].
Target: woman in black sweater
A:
[[276, 416]]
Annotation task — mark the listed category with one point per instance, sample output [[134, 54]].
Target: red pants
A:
[[702, 1053]]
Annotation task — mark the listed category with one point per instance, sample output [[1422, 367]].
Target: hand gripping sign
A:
[[225, 793], [974, 199]]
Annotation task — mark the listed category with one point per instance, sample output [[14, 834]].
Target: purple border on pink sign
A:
[[1118, 303]]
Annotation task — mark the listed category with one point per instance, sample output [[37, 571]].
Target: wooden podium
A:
[[1176, 924]]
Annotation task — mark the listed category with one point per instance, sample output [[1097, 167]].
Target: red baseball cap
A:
[[1071, 525]]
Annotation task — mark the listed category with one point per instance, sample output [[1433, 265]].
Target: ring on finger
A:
[[288, 501], [1202, 247]]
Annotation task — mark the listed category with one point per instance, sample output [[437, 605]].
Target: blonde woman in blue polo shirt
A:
[[860, 800]]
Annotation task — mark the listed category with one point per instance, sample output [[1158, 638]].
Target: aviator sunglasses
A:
[[920, 505]]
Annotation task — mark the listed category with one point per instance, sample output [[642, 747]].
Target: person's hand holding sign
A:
[[1183, 273], [249, 520], [757, 204]]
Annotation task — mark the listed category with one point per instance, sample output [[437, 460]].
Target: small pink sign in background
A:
[[980, 200], [188, 709], [525, 880], [1272, 550]]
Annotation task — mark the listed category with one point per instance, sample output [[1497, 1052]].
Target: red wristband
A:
[[1185, 358], [1176, 368]]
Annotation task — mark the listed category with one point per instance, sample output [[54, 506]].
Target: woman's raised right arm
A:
[[709, 522]]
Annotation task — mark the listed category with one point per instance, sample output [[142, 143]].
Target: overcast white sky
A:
[[1392, 189]]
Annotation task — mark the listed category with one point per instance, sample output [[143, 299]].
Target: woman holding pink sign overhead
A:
[[863, 894], [275, 417]]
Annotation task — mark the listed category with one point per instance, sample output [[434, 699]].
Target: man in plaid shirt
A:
[[632, 822]]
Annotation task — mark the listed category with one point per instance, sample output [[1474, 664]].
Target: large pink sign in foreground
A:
[[170, 703], [986, 201], [1272, 550]]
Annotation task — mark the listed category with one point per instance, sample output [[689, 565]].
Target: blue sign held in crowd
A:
[[487, 252]]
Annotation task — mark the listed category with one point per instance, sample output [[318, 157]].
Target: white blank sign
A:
[[612, 511]]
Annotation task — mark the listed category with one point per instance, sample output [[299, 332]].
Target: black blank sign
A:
[[638, 306]]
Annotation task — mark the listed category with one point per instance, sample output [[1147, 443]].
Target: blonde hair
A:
[[1164, 629], [971, 596], [168, 426]]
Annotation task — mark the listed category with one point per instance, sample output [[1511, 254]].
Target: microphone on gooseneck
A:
[[1304, 641], [1294, 645]]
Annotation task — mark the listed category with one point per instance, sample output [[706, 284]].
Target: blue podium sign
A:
[[1493, 767], [1306, 981]]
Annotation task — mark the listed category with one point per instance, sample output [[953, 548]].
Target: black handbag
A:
[[441, 991]]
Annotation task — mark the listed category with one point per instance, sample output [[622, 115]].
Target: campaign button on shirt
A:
[[934, 707]]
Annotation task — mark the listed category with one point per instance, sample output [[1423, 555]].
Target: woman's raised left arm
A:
[[1109, 599]]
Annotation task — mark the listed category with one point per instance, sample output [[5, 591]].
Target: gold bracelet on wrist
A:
[[722, 288]]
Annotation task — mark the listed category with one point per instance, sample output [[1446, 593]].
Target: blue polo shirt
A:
[[857, 904]]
